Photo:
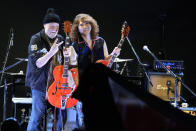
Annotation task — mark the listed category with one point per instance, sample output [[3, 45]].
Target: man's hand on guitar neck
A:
[[66, 52], [70, 52], [115, 51]]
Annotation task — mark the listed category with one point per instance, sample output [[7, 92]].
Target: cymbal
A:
[[25, 59], [11, 73], [122, 60]]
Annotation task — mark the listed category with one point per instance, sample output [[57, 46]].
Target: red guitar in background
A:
[[124, 33], [60, 91]]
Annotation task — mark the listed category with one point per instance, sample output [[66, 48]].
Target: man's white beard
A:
[[51, 34]]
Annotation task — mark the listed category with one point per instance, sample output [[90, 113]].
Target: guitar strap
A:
[[92, 55]]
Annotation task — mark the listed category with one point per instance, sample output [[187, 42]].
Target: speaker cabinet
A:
[[164, 86]]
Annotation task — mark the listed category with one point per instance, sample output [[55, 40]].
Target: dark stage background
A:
[[163, 25]]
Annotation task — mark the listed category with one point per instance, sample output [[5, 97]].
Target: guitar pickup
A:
[[66, 67], [64, 85], [64, 75]]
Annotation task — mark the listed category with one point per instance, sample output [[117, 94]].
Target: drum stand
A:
[[4, 99], [5, 85]]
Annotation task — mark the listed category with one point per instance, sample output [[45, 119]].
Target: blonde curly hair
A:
[[75, 34]]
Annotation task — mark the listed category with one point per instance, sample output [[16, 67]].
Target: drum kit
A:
[[17, 107], [117, 63]]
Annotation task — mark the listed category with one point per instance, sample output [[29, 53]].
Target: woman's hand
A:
[[116, 51]]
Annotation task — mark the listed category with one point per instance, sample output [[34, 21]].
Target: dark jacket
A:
[[36, 78]]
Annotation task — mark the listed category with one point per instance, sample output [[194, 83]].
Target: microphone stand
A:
[[10, 43], [5, 86], [4, 101], [175, 76], [140, 63]]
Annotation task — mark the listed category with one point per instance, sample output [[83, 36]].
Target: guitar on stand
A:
[[124, 33], [60, 91]]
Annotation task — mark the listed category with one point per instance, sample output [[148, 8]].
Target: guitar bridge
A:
[[64, 101]]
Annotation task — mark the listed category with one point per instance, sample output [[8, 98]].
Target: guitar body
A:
[[104, 62], [59, 92]]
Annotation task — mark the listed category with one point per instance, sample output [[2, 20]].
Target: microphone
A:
[[145, 47]]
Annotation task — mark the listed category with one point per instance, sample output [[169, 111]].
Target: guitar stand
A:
[[176, 94]]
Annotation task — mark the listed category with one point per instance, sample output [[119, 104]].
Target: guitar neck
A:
[[121, 42], [66, 67]]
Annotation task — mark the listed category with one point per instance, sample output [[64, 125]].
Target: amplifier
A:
[[171, 64], [164, 86]]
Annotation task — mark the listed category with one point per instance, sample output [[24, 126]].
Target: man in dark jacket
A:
[[44, 53]]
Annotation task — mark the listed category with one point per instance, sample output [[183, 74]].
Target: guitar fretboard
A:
[[115, 55], [66, 67]]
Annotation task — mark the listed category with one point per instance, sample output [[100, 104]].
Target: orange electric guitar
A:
[[60, 91], [124, 33]]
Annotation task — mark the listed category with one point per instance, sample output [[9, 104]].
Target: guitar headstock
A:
[[125, 30], [67, 31], [67, 28]]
